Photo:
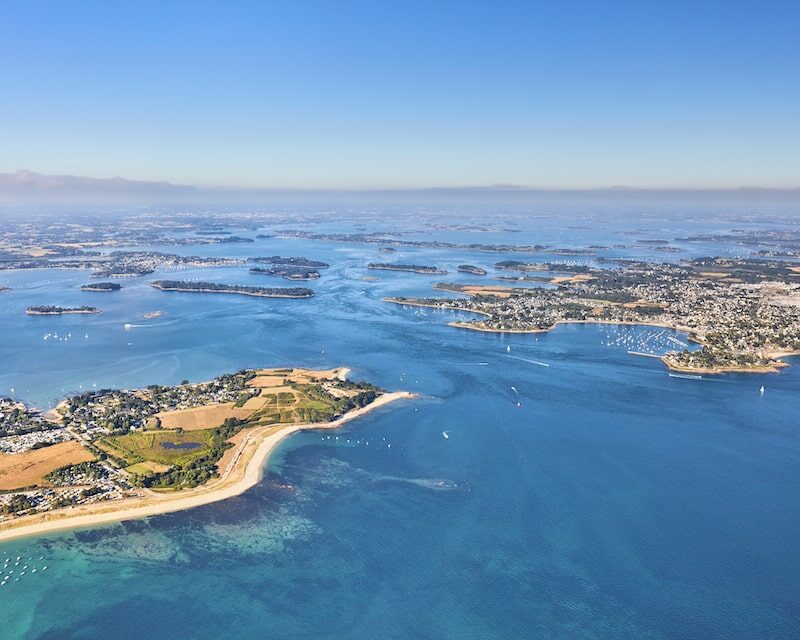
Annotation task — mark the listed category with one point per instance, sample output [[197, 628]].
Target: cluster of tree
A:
[[102, 286], [288, 273], [17, 503], [471, 268], [518, 265], [415, 268], [214, 287], [293, 261], [337, 406], [122, 270], [82, 470], [17, 421], [68, 501]]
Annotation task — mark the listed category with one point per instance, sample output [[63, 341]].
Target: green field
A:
[[146, 468], [307, 403], [148, 445], [153, 465]]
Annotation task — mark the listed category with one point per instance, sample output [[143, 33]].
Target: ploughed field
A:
[[20, 470]]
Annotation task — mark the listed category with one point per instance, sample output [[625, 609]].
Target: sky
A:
[[393, 95]]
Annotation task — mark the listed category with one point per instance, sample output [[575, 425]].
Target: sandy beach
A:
[[243, 471]]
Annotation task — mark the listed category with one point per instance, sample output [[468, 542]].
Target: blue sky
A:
[[404, 94]]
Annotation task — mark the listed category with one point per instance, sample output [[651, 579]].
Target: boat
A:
[[686, 376]]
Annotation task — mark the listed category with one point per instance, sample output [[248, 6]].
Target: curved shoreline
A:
[[245, 471], [776, 368]]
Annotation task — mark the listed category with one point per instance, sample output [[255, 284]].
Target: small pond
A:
[[181, 445]]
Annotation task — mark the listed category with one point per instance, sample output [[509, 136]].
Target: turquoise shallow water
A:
[[613, 502]]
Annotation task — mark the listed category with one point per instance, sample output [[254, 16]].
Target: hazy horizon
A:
[[373, 96], [25, 187]]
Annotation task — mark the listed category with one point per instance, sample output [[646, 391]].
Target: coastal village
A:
[[114, 444], [745, 314]]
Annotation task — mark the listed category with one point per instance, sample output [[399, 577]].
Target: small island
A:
[[102, 286], [51, 310], [232, 239], [295, 261], [213, 287], [412, 268], [472, 269], [288, 273]]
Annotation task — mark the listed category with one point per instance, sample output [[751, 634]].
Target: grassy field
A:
[[148, 446], [145, 468], [21, 470], [279, 396]]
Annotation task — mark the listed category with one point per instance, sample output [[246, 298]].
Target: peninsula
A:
[[745, 313], [112, 455], [213, 287], [51, 310]]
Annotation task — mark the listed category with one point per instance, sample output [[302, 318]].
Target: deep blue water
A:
[[598, 498]]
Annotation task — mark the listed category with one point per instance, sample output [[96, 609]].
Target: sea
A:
[[540, 486]]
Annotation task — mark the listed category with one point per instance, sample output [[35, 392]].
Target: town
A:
[[744, 313], [111, 444]]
